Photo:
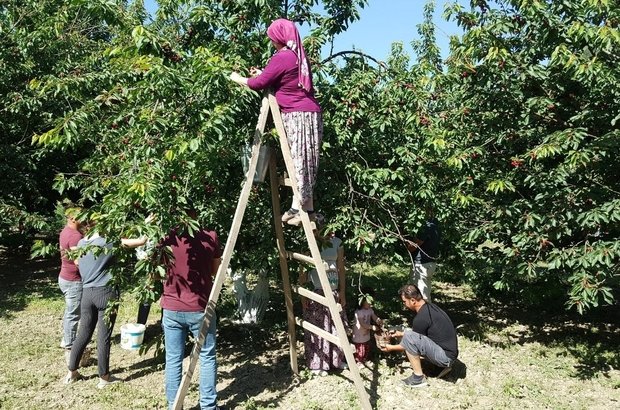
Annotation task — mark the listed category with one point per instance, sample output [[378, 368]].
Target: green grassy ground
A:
[[511, 358]]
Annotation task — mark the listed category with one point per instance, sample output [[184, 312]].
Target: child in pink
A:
[[364, 317]]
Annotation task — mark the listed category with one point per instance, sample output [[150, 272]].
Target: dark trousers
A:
[[94, 303], [143, 312]]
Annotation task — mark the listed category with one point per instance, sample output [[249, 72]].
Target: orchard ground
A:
[[511, 357]]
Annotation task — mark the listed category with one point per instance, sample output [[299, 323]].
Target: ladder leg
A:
[[268, 104], [348, 353], [318, 261], [226, 256], [288, 298]]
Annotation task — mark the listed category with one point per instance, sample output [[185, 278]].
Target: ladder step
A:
[[314, 296], [312, 225], [300, 257], [318, 331], [283, 181]]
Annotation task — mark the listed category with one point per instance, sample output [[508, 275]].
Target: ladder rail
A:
[[316, 256], [282, 254], [269, 104], [226, 256]]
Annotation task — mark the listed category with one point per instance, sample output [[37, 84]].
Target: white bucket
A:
[[132, 336]]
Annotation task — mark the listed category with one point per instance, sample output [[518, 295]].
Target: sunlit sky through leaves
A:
[[383, 22]]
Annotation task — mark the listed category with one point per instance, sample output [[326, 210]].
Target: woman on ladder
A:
[[288, 73]]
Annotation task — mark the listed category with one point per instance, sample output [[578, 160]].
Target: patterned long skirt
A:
[[320, 353], [304, 132]]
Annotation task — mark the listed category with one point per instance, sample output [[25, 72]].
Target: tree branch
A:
[[359, 53]]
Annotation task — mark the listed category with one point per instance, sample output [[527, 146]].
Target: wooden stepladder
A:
[[269, 104]]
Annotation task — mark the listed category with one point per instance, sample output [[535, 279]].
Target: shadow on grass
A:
[[142, 368], [458, 371], [592, 339], [23, 280], [242, 345]]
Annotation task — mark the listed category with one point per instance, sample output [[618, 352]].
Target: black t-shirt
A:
[[433, 322], [430, 235]]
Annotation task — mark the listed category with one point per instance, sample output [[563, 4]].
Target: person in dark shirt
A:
[[195, 259], [432, 335], [188, 283]]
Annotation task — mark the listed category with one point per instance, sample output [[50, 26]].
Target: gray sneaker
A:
[[295, 220], [415, 382], [313, 216]]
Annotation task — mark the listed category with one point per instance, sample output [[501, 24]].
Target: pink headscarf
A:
[[284, 32]]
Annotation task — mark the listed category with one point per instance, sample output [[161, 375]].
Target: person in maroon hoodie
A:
[[69, 280], [188, 283], [288, 73]]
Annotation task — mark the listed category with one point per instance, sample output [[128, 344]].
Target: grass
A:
[[512, 358]]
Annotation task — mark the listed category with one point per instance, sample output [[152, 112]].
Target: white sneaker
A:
[[111, 380], [343, 366], [70, 378], [295, 220], [290, 214]]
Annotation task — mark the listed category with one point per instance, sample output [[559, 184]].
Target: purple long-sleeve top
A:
[[281, 75]]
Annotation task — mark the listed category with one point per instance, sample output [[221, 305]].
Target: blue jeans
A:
[[72, 291], [176, 326]]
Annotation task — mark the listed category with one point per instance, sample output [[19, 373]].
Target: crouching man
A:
[[432, 336]]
